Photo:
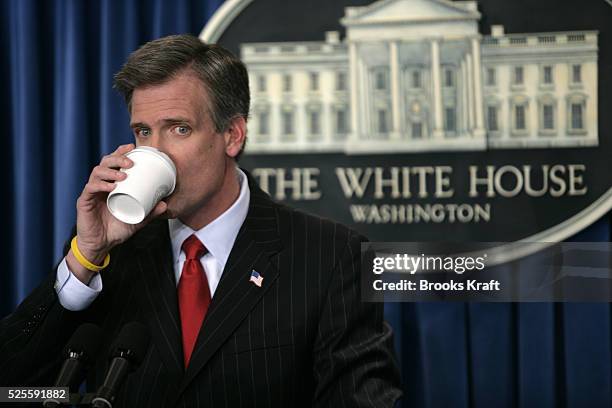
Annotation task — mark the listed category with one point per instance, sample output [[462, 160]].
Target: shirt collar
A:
[[219, 235]]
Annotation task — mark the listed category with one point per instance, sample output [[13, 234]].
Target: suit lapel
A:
[[158, 298], [235, 295]]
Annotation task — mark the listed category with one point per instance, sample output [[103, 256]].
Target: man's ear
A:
[[235, 136]]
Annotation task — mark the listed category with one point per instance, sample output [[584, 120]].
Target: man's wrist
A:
[[79, 271], [95, 256]]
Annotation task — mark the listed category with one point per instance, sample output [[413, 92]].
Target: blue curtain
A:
[[59, 115]]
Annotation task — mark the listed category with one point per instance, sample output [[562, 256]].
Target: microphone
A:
[[79, 351], [126, 355]]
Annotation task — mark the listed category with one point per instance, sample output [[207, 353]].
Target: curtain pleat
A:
[[536, 355], [29, 141]]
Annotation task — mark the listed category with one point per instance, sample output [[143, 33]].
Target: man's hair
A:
[[224, 76]]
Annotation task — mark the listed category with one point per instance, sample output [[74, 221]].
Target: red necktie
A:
[[193, 294]]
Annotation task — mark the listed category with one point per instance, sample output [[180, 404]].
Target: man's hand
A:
[[98, 231]]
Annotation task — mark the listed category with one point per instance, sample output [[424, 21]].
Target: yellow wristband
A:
[[83, 261]]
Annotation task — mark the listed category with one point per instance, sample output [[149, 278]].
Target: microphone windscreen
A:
[[85, 340], [133, 339]]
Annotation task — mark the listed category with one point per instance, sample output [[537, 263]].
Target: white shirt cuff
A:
[[73, 294]]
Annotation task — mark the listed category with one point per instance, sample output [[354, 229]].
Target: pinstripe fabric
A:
[[303, 339]]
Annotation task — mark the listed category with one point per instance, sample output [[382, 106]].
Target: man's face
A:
[[173, 117]]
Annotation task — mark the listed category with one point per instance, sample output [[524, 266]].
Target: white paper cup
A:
[[148, 181]]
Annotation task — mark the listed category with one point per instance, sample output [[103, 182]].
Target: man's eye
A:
[[143, 132], [182, 130]]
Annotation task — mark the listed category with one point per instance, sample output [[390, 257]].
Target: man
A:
[[248, 302]]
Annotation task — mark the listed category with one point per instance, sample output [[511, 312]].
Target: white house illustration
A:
[[416, 75]]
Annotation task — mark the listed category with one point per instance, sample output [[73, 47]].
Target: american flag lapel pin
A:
[[256, 278]]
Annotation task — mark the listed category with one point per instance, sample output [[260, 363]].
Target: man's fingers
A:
[[115, 161], [98, 186], [123, 149], [107, 174]]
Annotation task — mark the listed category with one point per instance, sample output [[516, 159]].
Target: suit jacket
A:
[[304, 338]]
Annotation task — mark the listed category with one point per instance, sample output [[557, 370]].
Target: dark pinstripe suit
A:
[[303, 339]]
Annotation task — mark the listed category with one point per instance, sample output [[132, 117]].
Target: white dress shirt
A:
[[218, 237]]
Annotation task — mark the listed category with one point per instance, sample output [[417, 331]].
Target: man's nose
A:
[[155, 140]]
